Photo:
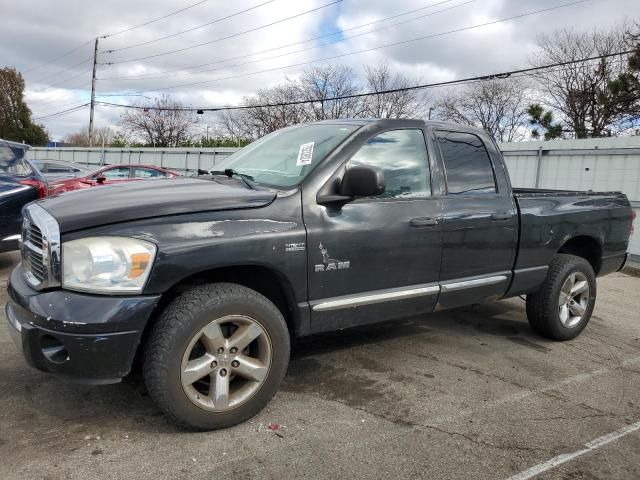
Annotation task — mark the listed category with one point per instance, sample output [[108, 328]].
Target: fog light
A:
[[53, 349]]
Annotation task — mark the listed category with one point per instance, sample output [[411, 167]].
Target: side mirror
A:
[[362, 181], [101, 179], [357, 181]]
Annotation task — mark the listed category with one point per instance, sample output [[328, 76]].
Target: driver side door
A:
[[377, 258]]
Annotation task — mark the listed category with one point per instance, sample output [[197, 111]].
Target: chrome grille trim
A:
[[40, 248]]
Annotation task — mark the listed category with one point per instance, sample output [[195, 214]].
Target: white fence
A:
[[595, 164], [601, 164], [183, 160]]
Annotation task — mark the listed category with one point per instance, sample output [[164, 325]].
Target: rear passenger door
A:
[[479, 231]]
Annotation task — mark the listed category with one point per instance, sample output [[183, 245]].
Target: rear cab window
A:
[[467, 165]]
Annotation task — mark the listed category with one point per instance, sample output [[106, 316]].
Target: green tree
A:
[[626, 88], [15, 117], [541, 118], [579, 92]]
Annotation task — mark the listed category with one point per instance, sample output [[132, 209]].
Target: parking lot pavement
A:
[[470, 393]]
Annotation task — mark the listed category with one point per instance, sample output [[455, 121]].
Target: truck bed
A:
[[543, 192], [550, 218]]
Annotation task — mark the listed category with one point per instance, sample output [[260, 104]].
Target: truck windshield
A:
[[283, 158]]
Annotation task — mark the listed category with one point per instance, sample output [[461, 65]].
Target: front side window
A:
[[466, 163], [118, 173], [285, 157], [402, 156]]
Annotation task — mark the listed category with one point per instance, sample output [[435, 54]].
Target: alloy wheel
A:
[[226, 363], [574, 299]]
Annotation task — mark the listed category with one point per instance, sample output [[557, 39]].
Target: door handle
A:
[[502, 216], [423, 222]]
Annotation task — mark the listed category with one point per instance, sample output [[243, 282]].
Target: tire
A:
[[544, 308], [193, 322]]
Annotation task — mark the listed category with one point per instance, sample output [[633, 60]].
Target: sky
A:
[[252, 44]]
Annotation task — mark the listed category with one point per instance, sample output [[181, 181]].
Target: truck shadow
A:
[[496, 319], [126, 407]]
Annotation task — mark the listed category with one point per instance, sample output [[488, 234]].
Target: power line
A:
[[403, 42], [70, 92], [188, 30], [493, 76], [69, 52], [153, 21], [46, 77], [63, 112], [226, 37], [343, 38], [56, 109], [60, 82]]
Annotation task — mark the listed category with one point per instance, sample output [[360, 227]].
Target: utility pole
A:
[[93, 92]]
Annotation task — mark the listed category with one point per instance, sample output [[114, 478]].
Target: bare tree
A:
[[497, 106], [163, 123], [401, 104], [312, 97], [101, 136], [581, 92], [330, 81], [268, 114]]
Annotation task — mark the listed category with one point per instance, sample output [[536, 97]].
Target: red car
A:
[[109, 175]]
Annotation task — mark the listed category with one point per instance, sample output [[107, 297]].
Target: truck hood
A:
[[124, 202]]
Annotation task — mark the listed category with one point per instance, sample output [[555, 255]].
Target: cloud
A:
[[36, 31]]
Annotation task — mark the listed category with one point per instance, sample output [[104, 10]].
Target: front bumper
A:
[[88, 338]]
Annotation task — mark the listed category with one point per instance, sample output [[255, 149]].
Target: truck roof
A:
[[391, 121]]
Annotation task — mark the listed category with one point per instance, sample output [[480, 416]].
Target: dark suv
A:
[[20, 183]]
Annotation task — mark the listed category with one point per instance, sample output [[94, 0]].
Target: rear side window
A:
[[402, 156], [12, 164], [466, 163], [147, 173]]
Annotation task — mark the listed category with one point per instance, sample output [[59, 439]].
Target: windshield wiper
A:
[[230, 172]]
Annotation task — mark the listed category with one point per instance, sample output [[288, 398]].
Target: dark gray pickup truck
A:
[[202, 282]]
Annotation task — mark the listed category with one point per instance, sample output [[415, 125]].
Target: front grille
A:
[[34, 235], [40, 247]]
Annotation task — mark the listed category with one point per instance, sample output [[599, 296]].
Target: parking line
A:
[[565, 457]]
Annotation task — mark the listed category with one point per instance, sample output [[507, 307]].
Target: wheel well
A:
[[261, 279], [586, 247]]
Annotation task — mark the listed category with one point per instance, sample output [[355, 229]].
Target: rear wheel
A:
[[562, 307], [216, 356]]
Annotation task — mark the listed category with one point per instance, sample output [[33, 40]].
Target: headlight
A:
[[106, 264]]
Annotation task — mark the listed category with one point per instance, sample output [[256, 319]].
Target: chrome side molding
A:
[[477, 282], [371, 298], [412, 291]]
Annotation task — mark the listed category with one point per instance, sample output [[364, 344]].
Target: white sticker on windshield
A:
[[305, 154]]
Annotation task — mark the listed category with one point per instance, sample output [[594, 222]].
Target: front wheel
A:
[[562, 307], [216, 356]]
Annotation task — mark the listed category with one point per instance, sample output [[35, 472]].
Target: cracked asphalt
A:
[[469, 393]]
